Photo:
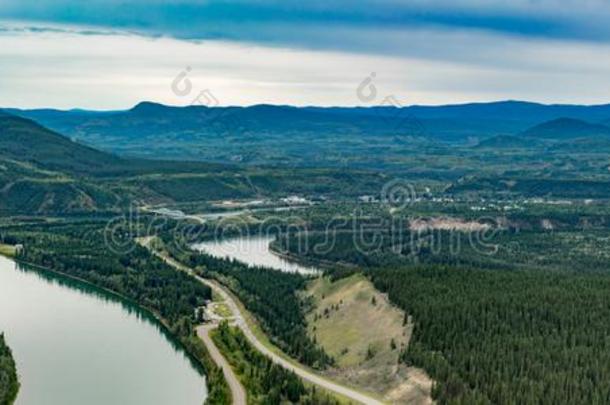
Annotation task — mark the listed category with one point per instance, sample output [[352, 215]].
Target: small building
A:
[[295, 200]]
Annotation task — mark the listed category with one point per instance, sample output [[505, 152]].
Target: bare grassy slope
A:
[[358, 326]]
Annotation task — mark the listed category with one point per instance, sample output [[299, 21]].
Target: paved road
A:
[[299, 370], [237, 390], [243, 325]]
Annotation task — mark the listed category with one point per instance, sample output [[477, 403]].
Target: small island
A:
[[9, 383]]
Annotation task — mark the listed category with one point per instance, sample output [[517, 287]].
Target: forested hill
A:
[[26, 141], [567, 128], [42, 171]]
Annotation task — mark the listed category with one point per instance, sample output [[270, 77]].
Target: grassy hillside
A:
[[346, 320]]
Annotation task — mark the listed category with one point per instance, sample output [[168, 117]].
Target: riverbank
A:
[[253, 251], [150, 313], [9, 381], [308, 262]]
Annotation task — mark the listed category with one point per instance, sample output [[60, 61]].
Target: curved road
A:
[[243, 325], [238, 393]]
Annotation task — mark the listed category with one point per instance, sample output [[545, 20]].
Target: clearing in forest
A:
[[364, 333]]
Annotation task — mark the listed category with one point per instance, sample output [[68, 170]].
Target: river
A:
[[75, 344], [254, 251]]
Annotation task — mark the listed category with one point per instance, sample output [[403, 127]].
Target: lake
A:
[[75, 344], [252, 250]]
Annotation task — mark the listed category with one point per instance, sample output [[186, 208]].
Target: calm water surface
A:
[[252, 250], [75, 345]]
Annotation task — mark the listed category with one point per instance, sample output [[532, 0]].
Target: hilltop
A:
[[567, 128]]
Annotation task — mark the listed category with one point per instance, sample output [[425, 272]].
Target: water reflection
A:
[[254, 251], [76, 344]]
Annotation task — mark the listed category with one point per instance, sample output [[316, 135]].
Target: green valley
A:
[[445, 273], [241, 202]]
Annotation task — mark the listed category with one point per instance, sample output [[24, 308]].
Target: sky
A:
[[112, 54]]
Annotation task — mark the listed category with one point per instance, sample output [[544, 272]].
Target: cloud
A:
[[58, 66], [61, 52], [318, 24]]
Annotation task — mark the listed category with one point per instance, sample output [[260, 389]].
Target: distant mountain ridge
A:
[[288, 150], [511, 109], [318, 136]]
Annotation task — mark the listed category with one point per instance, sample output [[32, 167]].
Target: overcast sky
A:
[[110, 54]]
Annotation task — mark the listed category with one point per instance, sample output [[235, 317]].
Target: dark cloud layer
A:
[[351, 25]]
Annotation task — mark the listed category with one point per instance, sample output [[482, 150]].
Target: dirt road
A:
[[237, 390]]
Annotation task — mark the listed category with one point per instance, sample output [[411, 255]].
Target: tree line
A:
[[265, 381], [506, 337]]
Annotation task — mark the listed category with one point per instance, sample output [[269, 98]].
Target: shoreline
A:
[[150, 314], [309, 262]]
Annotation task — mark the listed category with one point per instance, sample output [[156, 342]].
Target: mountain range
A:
[[313, 136], [155, 154]]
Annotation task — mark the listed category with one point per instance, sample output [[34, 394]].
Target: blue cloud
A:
[[293, 23]]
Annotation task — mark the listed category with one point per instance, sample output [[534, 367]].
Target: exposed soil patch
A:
[[447, 224]]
